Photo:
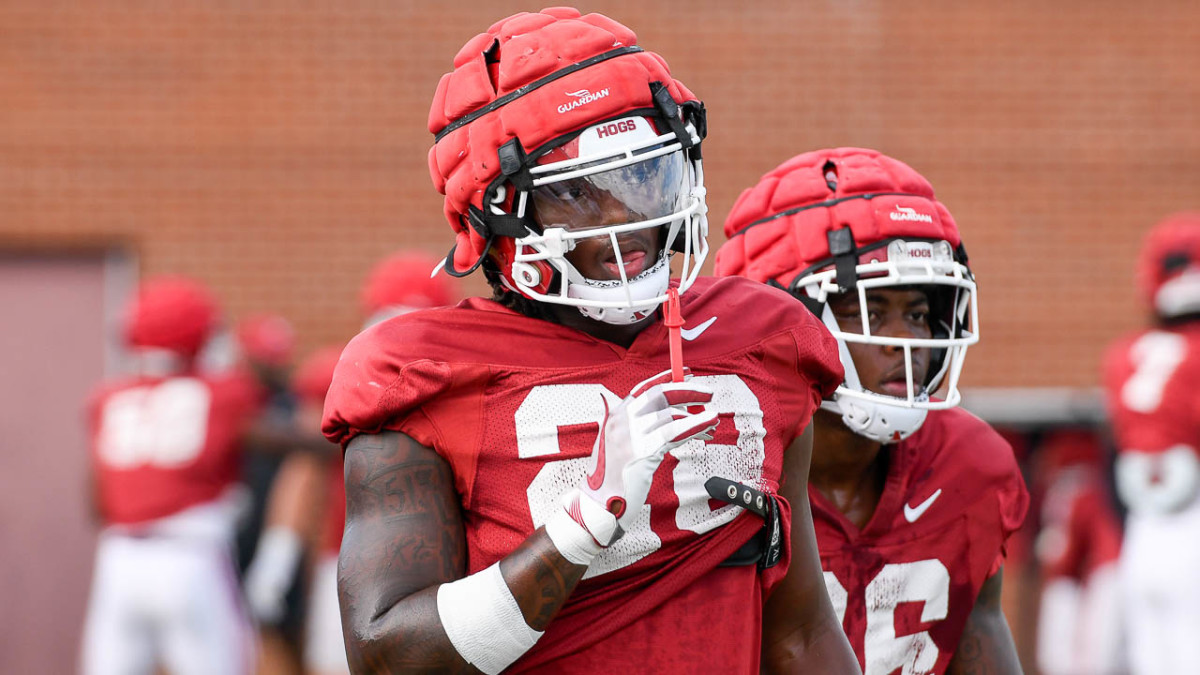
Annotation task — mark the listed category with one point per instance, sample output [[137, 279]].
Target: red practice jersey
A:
[[905, 584], [1153, 397], [514, 405], [1080, 531], [161, 445]]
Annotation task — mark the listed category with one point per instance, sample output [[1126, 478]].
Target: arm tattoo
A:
[[986, 646], [540, 579], [404, 537], [969, 658]]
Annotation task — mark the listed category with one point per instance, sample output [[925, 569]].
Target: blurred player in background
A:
[[404, 282], [1152, 380], [165, 447], [277, 481], [515, 498], [1078, 546], [398, 284], [324, 648], [913, 499]]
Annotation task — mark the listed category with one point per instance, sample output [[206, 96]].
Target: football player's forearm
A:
[[540, 578], [819, 647], [986, 646], [406, 638], [404, 540], [409, 635]]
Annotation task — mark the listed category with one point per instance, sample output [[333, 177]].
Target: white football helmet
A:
[[853, 220]]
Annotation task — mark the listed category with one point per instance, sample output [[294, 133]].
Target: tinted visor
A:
[[645, 190]]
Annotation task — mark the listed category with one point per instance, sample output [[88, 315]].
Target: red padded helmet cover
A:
[[172, 313], [901, 205], [267, 338], [1178, 234], [403, 279], [516, 52]]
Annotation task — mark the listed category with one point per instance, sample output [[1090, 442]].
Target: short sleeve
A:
[[375, 388], [818, 359], [801, 352], [1012, 497]]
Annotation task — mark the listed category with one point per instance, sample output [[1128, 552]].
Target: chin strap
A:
[[876, 420], [643, 288]]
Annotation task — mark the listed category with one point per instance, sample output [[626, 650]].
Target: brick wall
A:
[[276, 150]]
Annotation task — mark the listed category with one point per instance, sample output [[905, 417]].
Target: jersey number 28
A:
[[549, 407]]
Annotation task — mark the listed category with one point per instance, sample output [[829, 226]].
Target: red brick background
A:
[[277, 149]]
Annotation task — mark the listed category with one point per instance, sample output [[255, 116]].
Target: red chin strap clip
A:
[[673, 320]]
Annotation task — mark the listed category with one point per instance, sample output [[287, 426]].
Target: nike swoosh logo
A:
[[596, 480], [690, 334], [912, 513]]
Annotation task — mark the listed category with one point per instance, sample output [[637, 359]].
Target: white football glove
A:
[[634, 437], [271, 573]]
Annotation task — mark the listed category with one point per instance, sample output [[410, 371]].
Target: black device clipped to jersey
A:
[[766, 547]]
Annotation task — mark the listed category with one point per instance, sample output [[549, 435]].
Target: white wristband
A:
[[279, 551], [482, 620]]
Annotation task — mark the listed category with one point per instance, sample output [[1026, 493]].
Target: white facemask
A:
[[889, 419], [655, 179]]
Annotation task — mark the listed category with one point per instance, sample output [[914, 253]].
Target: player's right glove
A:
[[634, 437]]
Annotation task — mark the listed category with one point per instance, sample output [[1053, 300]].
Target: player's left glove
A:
[[271, 573], [634, 437]]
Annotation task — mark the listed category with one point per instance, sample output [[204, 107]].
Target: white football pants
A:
[[170, 602], [1160, 590]]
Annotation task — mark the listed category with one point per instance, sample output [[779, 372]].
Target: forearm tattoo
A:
[[403, 537], [540, 579], [986, 646]]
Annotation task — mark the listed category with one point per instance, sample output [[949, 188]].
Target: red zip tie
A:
[[674, 322]]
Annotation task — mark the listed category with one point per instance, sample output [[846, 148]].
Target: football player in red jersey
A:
[[324, 649], [283, 469], [1154, 407], [1078, 547], [532, 484], [404, 282], [912, 498], [165, 452]]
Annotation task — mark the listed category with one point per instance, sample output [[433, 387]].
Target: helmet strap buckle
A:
[[845, 256]]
